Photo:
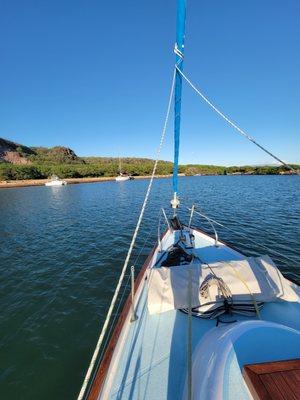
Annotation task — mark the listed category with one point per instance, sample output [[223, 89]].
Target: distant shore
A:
[[41, 182], [72, 181]]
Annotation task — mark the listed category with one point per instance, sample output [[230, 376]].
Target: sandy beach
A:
[[41, 182]]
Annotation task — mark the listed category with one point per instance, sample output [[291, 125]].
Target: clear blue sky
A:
[[95, 75]]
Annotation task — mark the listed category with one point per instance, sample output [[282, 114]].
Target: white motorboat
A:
[[55, 181]]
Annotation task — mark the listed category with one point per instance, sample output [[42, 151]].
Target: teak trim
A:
[[101, 373], [257, 375]]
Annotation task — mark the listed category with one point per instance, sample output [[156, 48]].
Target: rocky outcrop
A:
[[14, 153], [57, 154], [13, 157]]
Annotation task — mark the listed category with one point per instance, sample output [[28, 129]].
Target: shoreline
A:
[[70, 181], [74, 181]]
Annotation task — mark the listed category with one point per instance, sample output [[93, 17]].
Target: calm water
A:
[[62, 250]]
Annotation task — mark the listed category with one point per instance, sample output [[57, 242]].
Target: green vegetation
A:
[[12, 172], [54, 156], [96, 168], [260, 170], [109, 167], [131, 166], [18, 162], [195, 169]]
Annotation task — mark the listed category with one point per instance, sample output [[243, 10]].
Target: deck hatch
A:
[[279, 380]]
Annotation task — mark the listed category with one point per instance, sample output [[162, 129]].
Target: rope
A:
[[115, 317], [221, 285], [189, 344], [239, 276], [243, 133], [114, 299], [120, 303]]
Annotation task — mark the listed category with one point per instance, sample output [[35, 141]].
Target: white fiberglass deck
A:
[[150, 360]]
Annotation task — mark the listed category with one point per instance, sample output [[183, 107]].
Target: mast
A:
[[179, 51], [120, 166]]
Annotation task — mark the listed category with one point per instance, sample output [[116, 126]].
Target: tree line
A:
[[93, 167]]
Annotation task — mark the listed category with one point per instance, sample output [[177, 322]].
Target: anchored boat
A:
[[202, 321], [121, 177], [55, 181]]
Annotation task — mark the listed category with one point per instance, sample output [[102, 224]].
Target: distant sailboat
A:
[[121, 177], [203, 321]]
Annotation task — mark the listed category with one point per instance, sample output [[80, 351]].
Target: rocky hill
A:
[[15, 153], [55, 155]]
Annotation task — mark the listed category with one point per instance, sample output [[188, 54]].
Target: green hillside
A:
[[23, 162]]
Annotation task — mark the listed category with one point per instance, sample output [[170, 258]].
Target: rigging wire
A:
[[111, 326], [120, 303], [114, 299], [241, 131]]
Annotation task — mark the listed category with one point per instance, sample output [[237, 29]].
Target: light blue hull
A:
[[150, 359]]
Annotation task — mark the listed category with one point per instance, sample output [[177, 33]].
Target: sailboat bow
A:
[[202, 319]]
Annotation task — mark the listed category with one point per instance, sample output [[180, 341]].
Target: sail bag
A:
[[251, 279]]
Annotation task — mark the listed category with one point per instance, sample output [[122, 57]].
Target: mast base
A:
[[175, 201]]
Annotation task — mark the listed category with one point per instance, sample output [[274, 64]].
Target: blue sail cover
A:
[[179, 50]]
